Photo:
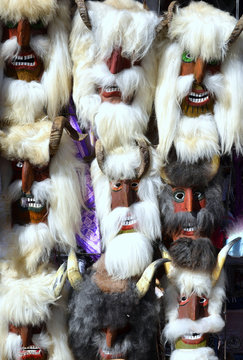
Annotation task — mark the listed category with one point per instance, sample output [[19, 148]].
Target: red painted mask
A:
[[199, 100], [187, 200], [116, 64], [29, 351], [27, 210], [193, 307], [26, 65]]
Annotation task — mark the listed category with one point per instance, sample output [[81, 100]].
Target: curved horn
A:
[[144, 282], [74, 276], [164, 177], [167, 20], [100, 154], [221, 260], [59, 279], [84, 13], [165, 255], [145, 158], [214, 167], [236, 32], [60, 123]]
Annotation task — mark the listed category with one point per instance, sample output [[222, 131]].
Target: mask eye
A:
[[38, 25], [183, 300], [179, 196], [198, 195], [19, 164], [134, 185], [11, 25], [117, 186], [186, 57], [214, 62], [203, 301]]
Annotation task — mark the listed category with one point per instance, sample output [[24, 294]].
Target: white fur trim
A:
[[205, 353]]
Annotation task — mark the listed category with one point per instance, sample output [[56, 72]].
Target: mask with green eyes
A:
[[199, 100]]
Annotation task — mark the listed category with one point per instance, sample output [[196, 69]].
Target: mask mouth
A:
[[198, 98], [193, 338], [111, 91], [31, 352], [24, 61], [28, 202], [110, 354], [128, 223]]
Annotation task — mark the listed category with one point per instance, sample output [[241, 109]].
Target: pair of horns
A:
[[214, 167], [142, 286], [59, 124], [144, 155], [218, 267]]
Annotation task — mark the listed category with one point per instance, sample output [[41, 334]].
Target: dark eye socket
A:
[[38, 25], [214, 62], [179, 195], [183, 298], [118, 184], [198, 195], [11, 25]]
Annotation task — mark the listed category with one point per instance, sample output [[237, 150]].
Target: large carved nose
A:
[[188, 200], [23, 33], [111, 335], [199, 70], [27, 177], [116, 62]]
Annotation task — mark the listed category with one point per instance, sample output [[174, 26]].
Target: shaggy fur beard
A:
[[91, 310], [205, 353], [62, 193], [193, 254], [205, 220], [24, 102], [184, 33], [113, 26], [128, 255], [29, 301]]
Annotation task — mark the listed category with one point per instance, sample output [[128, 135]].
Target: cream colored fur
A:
[[31, 244], [128, 253], [202, 30], [26, 301], [23, 102], [205, 353], [114, 24]]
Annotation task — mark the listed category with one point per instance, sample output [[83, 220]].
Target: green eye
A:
[[38, 25], [214, 62], [186, 57], [179, 196], [11, 25]]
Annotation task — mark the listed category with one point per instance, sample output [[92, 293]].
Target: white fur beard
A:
[[204, 353], [196, 138], [12, 346], [144, 213], [179, 327], [128, 255]]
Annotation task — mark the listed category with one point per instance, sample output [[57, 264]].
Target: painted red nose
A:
[[23, 33], [116, 62]]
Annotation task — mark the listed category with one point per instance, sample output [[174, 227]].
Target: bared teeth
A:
[[194, 336]]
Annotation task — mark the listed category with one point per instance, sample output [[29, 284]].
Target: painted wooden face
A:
[[124, 194], [26, 65], [28, 351], [199, 101], [192, 307], [27, 209], [187, 200], [116, 63]]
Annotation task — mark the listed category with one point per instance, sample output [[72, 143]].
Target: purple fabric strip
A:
[[90, 235]]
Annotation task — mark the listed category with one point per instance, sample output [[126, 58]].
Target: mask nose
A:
[[188, 200], [110, 335], [116, 63], [23, 33], [199, 70], [27, 177]]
